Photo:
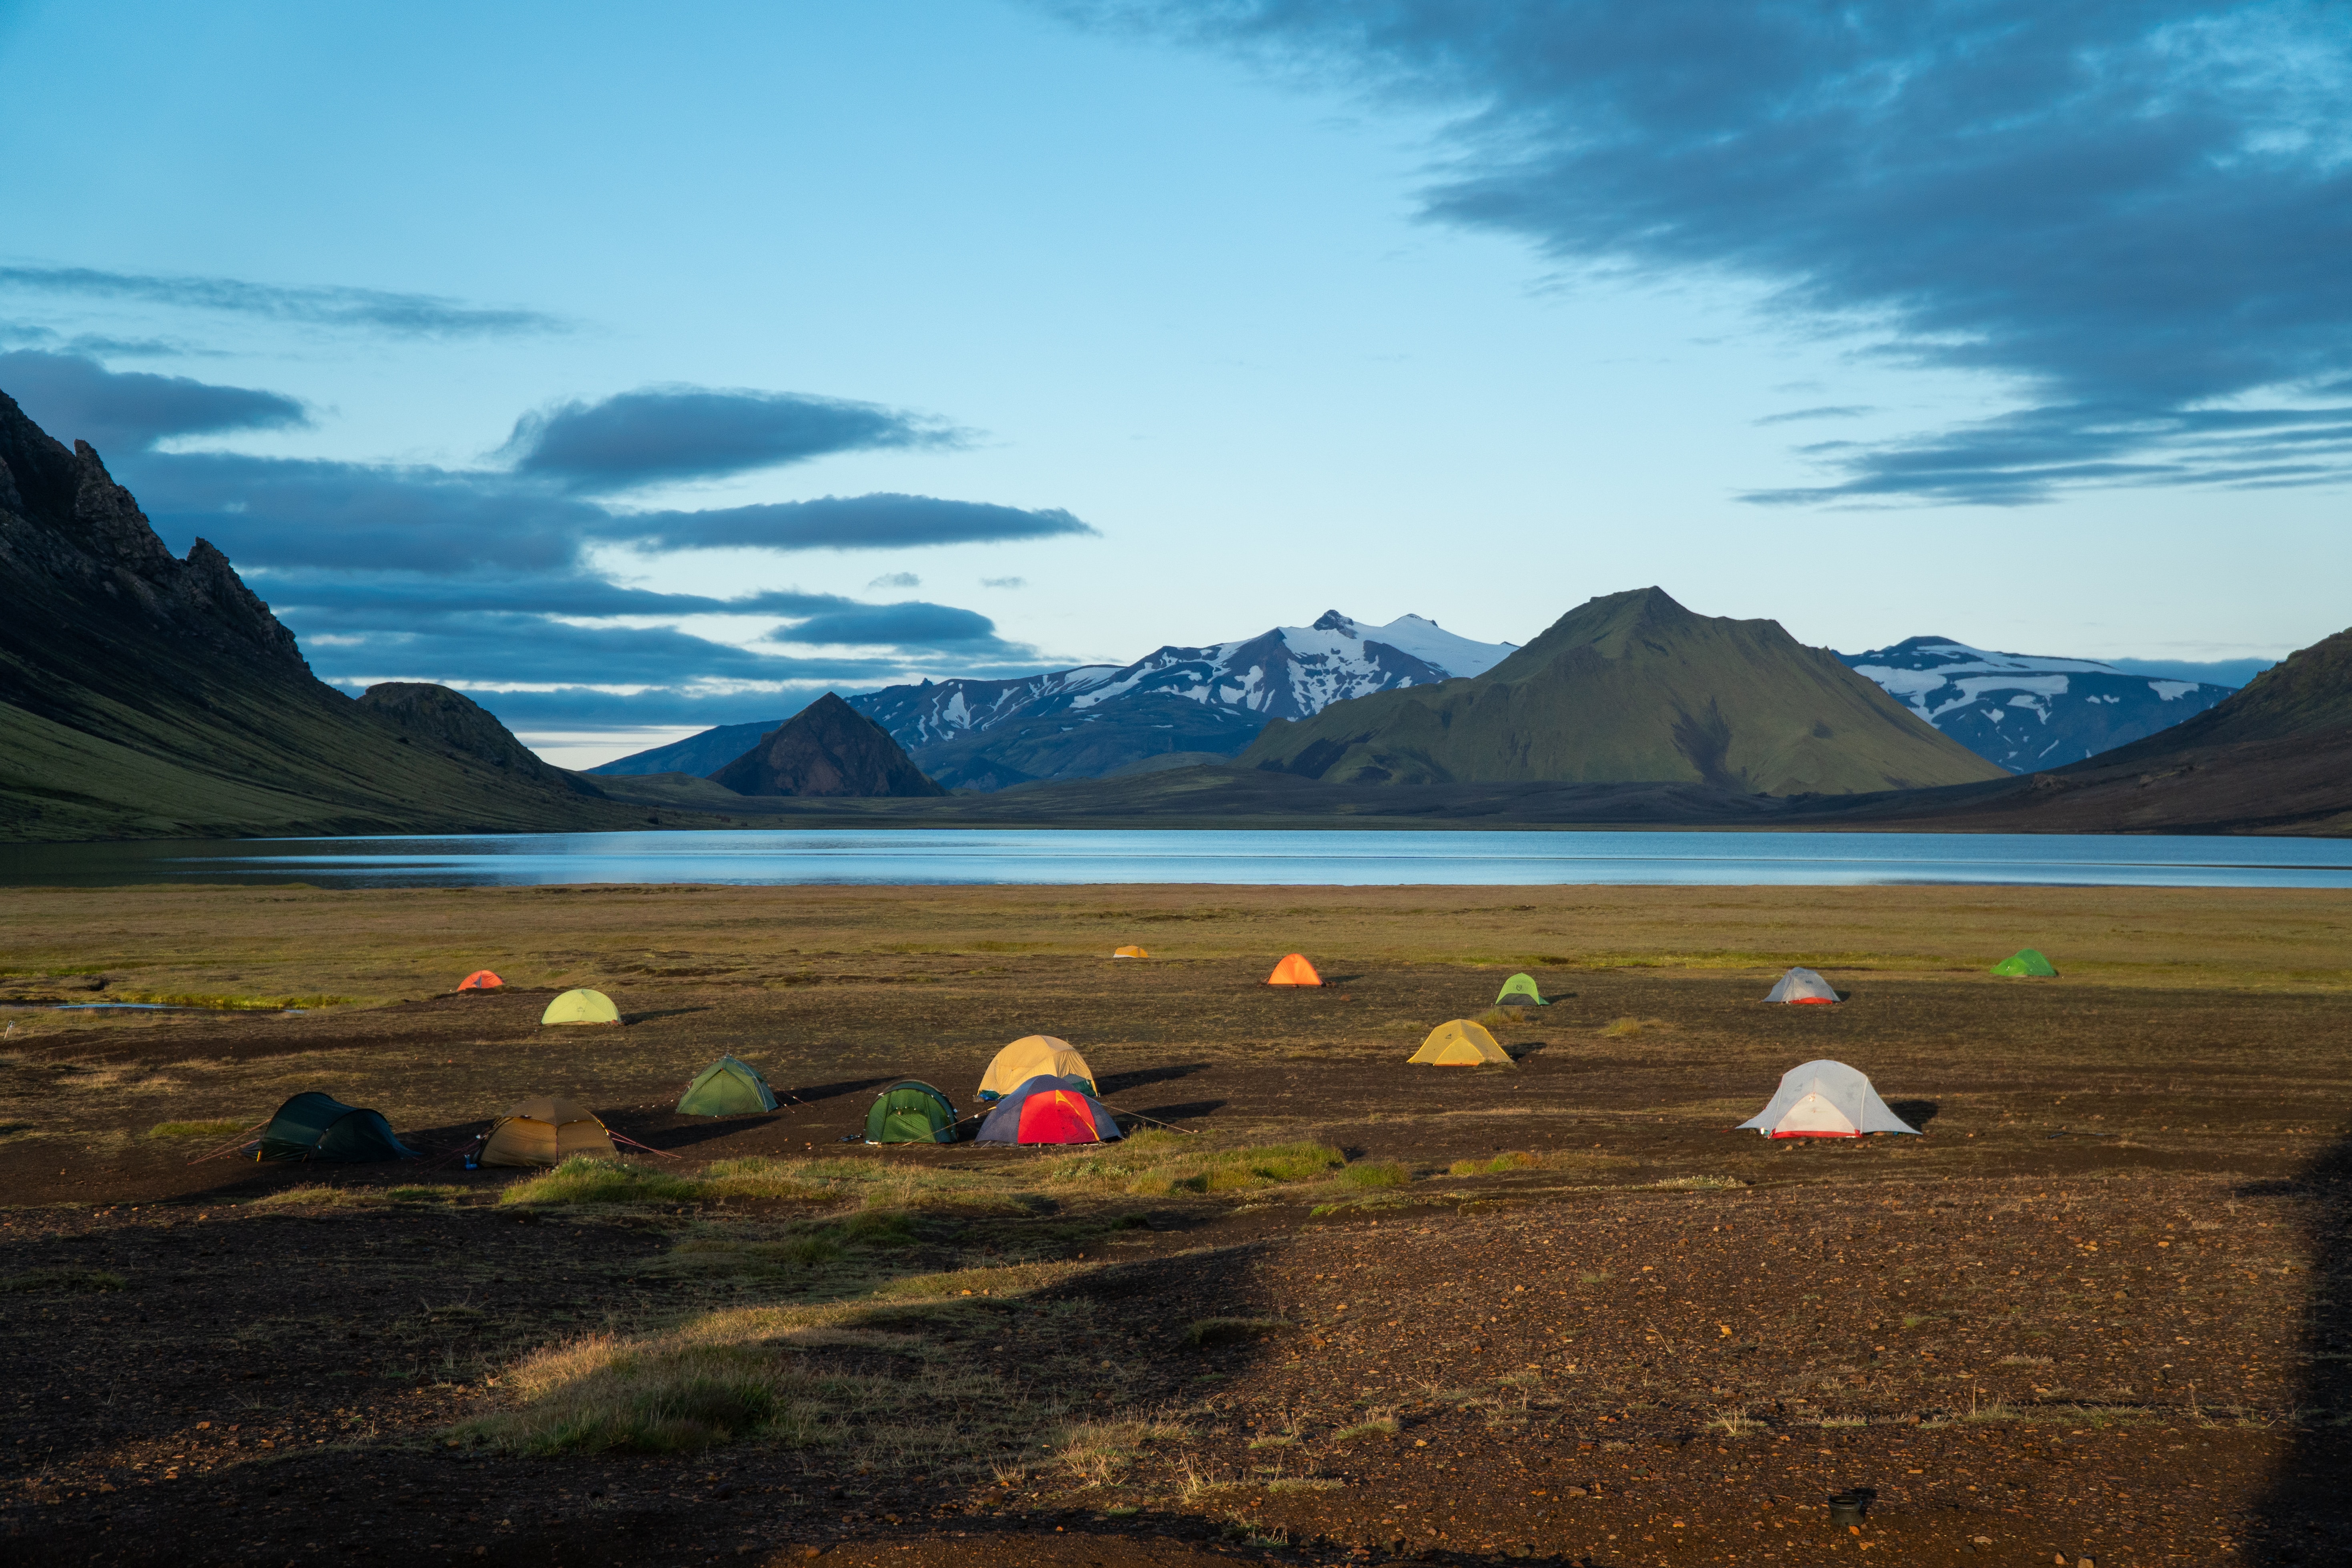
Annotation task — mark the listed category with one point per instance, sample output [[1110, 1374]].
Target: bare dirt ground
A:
[[1556, 1311]]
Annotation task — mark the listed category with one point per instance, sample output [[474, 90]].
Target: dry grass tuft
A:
[[1618, 1029], [62, 1281], [209, 1131], [1378, 1426]]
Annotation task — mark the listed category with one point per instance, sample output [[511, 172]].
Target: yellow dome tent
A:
[[543, 1131], [580, 1008], [1028, 1056], [1130, 951], [1459, 1044]]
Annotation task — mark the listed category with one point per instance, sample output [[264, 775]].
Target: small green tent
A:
[[2026, 961], [314, 1126], [911, 1111], [1519, 991], [727, 1088]]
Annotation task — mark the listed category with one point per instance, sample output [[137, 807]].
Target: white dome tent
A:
[[1825, 1099], [1802, 985]]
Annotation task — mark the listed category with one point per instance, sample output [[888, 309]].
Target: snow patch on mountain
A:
[[1983, 698]]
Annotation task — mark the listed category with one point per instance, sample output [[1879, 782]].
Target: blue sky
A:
[[640, 369]]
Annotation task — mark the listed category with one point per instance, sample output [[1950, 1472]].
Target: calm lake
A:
[[980, 855]]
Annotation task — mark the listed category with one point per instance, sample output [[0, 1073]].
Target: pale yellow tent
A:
[[1028, 1056], [1459, 1044], [580, 1008], [543, 1131], [1130, 951]]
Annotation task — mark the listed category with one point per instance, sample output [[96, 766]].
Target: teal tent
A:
[[314, 1126], [727, 1088], [911, 1111], [1519, 991]]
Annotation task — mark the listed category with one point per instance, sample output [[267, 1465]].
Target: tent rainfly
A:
[[1129, 951], [1294, 970], [1805, 988], [1048, 1110], [481, 980], [314, 1126], [1825, 1099], [911, 1111], [1027, 1057], [580, 1008], [727, 1088], [544, 1132], [1519, 991], [2026, 961], [1459, 1044]]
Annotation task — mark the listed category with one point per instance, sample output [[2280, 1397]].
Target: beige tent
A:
[[1028, 1056], [543, 1131], [1459, 1044], [580, 1008]]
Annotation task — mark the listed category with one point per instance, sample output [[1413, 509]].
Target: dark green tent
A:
[[1519, 991], [2026, 961], [315, 1126], [727, 1088], [911, 1111]]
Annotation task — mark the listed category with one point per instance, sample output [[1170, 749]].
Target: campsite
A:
[[1342, 1308]]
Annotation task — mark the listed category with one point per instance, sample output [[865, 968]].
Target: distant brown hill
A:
[[827, 749], [146, 696], [1632, 688]]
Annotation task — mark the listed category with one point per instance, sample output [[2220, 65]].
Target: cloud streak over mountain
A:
[[364, 309], [116, 411], [2133, 215], [659, 434], [475, 577]]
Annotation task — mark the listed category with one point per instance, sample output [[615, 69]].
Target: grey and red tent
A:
[[1049, 1109]]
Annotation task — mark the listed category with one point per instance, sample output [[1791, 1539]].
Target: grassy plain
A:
[[1349, 1310]]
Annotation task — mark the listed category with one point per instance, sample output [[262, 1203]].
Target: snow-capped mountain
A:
[[2025, 712], [1286, 673], [1100, 718], [1097, 719]]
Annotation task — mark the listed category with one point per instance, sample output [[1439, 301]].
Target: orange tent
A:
[[481, 980], [1130, 952], [1294, 971]]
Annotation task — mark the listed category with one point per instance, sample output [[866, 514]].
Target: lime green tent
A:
[[580, 1008], [2026, 961], [727, 1088], [911, 1111], [1519, 991]]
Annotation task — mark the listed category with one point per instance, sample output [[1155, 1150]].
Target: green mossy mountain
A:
[[144, 696], [1632, 686]]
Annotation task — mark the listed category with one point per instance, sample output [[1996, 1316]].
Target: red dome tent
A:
[[481, 980], [1048, 1110]]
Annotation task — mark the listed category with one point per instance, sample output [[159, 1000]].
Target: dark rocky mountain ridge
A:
[[144, 695]]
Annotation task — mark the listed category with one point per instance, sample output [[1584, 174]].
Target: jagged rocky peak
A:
[[64, 523]]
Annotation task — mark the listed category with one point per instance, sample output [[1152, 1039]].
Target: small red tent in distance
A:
[[481, 980], [1294, 970]]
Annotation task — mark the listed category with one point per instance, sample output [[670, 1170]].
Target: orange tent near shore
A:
[[1294, 970]]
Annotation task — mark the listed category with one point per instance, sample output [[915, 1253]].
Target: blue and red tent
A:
[[1049, 1109]]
